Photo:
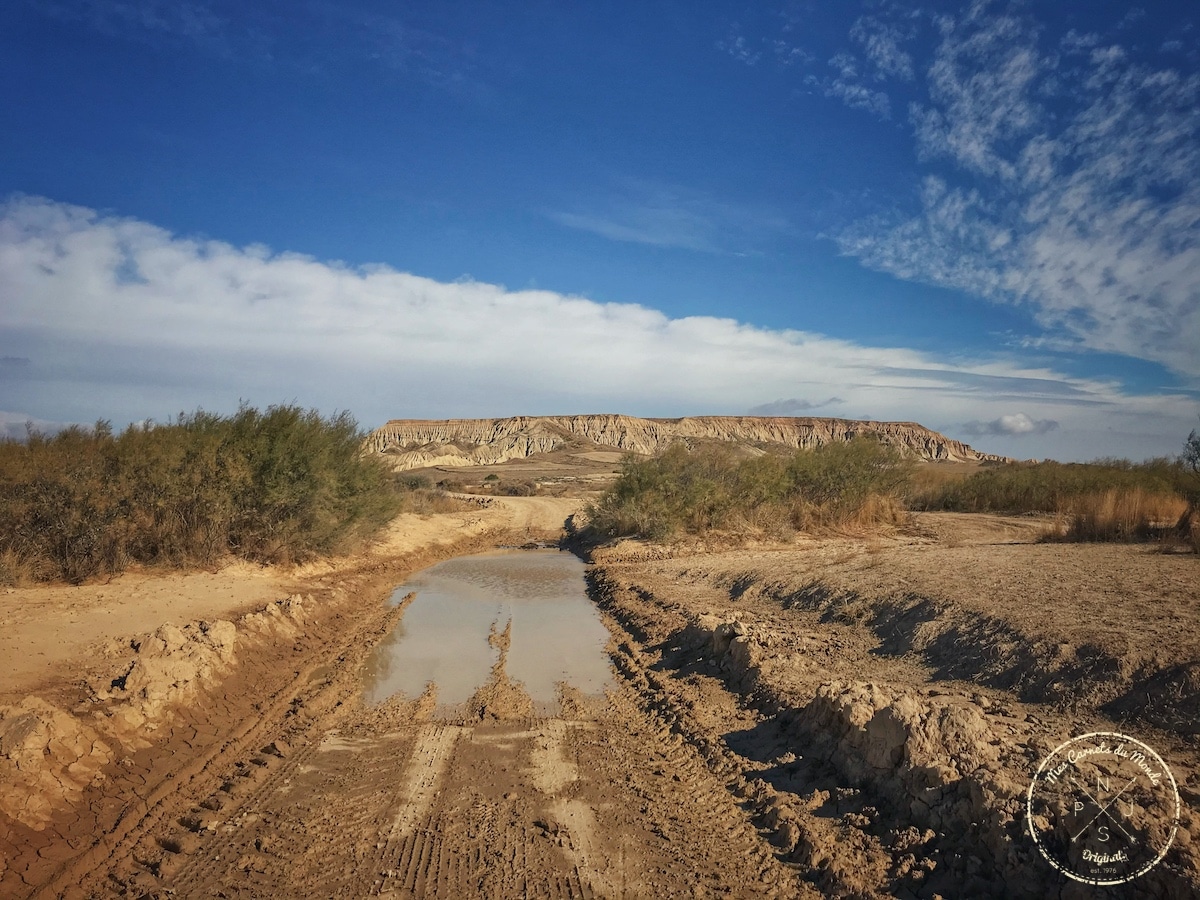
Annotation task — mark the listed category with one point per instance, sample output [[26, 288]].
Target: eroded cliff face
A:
[[416, 443]]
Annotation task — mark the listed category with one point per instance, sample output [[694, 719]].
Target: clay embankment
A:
[[903, 693], [471, 442]]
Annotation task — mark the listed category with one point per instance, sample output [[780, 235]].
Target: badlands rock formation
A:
[[416, 443]]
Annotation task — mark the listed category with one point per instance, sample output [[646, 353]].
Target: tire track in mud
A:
[[705, 792], [170, 798], [624, 805], [553, 771], [817, 826], [449, 839], [155, 790], [682, 781], [246, 789], [410, 841]]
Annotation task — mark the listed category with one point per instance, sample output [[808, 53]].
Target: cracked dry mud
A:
[[834, 719]]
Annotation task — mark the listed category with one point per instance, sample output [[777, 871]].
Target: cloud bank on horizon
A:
[[121, 315], [983, 216]]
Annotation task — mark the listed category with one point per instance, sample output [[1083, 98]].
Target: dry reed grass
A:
[[1118, 514], [861, 518]]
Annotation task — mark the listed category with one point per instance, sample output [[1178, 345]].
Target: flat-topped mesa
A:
[[418, 443]]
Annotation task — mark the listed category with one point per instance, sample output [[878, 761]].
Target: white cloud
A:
[[1079, 42], [847, 85], [15, 426], [981, 85], [125, 321], [1090, 214], [788, 54], [735, 45], [883, 43], [1014, 424]]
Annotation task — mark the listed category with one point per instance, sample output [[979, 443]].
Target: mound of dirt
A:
[[48, 756], [500, 697], [47, 759]]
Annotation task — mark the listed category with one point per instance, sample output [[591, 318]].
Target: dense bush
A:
[[843, 485], [274, 486]]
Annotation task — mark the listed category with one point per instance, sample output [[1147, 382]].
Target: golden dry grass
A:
[[1118, 514]]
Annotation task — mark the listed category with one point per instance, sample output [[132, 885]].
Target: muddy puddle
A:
[[555, 633]]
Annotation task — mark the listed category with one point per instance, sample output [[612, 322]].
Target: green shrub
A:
[[275, 486], [682, 490], [419, 495], [519, 489], [413, 482]]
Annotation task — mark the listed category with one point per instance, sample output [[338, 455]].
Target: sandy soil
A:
[[45, 630], [834, 718]]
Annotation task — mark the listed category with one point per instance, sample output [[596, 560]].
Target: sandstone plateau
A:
[[419, 443]]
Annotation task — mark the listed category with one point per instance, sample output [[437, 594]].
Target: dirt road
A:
[[830, 719]]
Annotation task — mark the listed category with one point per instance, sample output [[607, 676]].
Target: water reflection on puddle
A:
[[557, 635]]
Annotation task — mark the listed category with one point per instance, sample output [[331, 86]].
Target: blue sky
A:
[[984, 217]]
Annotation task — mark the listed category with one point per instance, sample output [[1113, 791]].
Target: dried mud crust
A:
[[875, 775]]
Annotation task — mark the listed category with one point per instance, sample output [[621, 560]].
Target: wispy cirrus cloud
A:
[[884, 42], [859, 78], [646, 212], [1061, 170], [355, 36], [1073, 187], [183, 18], [653, 225], [982, 91], [736, 45], [124, 320], [848, 84]]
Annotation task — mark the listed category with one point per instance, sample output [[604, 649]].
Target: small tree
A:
[[1190, 458], [1191, 451]]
